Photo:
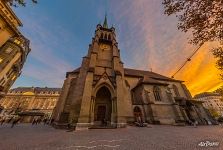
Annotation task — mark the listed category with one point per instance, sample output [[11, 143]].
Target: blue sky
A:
[[60, 33]]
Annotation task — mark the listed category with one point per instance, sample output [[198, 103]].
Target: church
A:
[[103, 90]]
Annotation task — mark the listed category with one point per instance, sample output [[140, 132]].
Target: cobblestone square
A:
[[160, 137]]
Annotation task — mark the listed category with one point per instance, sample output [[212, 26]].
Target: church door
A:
[[138, 114], [101, 113], [103, 106]]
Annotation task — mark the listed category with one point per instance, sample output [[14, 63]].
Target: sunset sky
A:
[[61, 32]]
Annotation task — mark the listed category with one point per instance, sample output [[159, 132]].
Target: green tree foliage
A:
[[204, 18], [16, 3], [220, 119], [218, 54], [219, 90], [214, 113]]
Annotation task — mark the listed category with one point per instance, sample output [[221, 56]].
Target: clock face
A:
[[105, 47]]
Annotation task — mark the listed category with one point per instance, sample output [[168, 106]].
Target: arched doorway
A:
[[103, 106], [138, 114]]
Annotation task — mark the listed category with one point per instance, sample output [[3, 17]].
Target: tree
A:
[[15, 3], [218, 54], [214, 113], [204, 18], [220, 119], [219, 90]]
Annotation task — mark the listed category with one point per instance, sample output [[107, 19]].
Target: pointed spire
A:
[[105, 25]]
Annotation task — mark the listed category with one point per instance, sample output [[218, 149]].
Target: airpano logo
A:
[[208, 144]]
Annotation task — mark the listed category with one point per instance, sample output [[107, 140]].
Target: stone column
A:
[[32, 102], [92, 110], [197, 113], [83, 119], [114, 111]]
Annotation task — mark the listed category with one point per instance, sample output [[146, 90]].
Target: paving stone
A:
[[158, 137]]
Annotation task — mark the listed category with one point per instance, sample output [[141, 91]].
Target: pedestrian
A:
[[15, 121], [45, 121], [2, 120], [51, 121], [10, 119], [190, 122], [34, 121], [39, 120], [195, 123]]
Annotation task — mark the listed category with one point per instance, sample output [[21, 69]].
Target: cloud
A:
[[152, 40], [147, 39], [46, 61]]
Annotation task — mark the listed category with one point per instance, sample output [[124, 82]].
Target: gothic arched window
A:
[[106, 36], [157, 93], [175, 89], [109, 37], [102, 36]]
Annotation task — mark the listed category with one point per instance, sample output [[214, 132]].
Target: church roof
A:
[[206, 94], [34, 89], [149, 75], [148, 80], [74, 71]]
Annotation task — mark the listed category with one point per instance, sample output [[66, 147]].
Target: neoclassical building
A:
[[30, 102], [102, 89], [211, 101], [14, 48], [13, 54], [9, 23]]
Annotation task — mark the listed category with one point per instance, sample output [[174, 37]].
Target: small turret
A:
[[105, 25]]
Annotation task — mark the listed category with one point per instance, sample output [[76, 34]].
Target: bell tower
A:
[[97, 90], [104, 52]]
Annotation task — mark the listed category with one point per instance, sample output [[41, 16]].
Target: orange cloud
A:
[[201, 74], [151, 40]]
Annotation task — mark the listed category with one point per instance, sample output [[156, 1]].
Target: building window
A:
[[8, 50], [157, 93], [17, 41], [102, 36], [175, 89], [169, 96], [2, 81], [14, 77], [109, 37], [1, 60], [9, 73]]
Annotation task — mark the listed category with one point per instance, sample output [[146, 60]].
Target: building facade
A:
[[13, 55], [102, 90], [30, 102], [14, 48], [211, 101], [9, 23]]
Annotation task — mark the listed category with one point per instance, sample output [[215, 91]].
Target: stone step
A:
[[102, 127]]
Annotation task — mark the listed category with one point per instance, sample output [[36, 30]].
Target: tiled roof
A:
[[147, 74], [206, 94], [34, 89], [150, 76], [74, 71], [149, 80]]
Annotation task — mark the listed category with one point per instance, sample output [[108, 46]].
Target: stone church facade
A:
[[103, 90]]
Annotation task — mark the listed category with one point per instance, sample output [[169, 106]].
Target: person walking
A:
[[15, 121], [2, 120], [195, 123], [45, 121], [34, 121]]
